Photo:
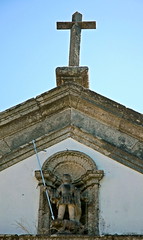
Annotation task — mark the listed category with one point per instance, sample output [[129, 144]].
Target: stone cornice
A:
[[72, 111], [70, 237], [85, 100]]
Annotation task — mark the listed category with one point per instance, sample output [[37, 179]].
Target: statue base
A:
[[66, 227]]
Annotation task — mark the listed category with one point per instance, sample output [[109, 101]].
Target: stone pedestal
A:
[[74, 74]]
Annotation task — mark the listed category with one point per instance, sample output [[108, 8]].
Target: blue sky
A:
[[31, 48]]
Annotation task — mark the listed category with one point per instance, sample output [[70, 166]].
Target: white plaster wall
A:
[[121, 194]]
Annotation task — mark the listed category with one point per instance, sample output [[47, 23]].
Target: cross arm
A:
[[82, 25]]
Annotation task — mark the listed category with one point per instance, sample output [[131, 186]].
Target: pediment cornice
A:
[[72, 111]]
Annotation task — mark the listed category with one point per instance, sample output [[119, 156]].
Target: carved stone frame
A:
[[84, 175]]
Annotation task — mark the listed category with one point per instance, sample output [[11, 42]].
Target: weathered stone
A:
[[83, 196], [102, 131], [18, 111], [78, 75], [27, 150], [68, 237], [4, 148], [138, 150], [35, 131], [58, 114], [76, 25]]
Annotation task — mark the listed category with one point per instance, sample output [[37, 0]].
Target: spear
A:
[[43, 179]]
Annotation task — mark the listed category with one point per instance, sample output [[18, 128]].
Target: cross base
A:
[[73, 74]]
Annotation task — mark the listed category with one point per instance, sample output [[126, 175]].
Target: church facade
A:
[[80, 133]]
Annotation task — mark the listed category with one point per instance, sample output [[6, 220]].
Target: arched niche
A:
[[85, 177]]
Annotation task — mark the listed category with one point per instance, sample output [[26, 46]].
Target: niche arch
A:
[[85, 176]]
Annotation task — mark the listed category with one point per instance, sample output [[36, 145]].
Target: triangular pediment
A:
[[72, 111]]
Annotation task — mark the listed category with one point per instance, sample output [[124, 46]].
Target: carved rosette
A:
[[85, 177]]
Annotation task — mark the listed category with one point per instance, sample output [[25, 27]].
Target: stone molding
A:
[[84, 170], [40, 119], [85, 177], [42, 237], [58, 158], [48, 140], [75, 96]]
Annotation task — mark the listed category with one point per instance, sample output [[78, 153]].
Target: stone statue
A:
[[67, 196], [74, 202]]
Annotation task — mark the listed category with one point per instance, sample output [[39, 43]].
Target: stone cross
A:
[[75, 26]]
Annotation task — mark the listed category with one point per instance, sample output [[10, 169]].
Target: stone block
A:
[[74, 74], [4, 148]]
